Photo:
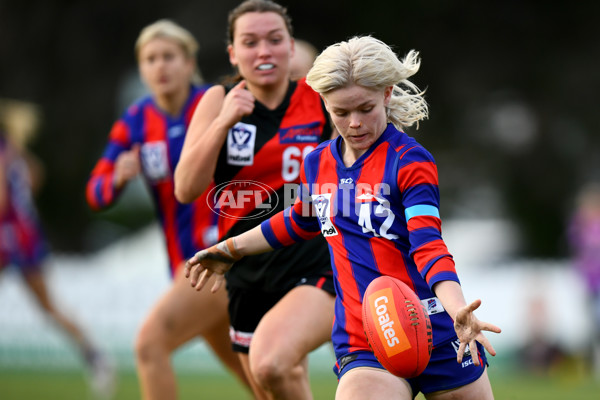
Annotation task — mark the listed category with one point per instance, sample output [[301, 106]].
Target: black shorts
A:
[[247, 307]]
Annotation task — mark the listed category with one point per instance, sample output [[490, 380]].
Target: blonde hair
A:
[[370, 63], [168, 29], [20, 120]]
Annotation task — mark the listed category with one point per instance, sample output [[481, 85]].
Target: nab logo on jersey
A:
[[240, 144], [322, 204]]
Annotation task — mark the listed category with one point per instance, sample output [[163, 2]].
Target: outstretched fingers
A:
[[219, 280], [201, 278], [193, 270]]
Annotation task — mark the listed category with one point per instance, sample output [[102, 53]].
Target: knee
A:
[[267, 373], [270, 372], [148, 343]]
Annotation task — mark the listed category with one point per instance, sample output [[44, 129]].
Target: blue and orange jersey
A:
[[379, 216], [187, 228], [22, 241]]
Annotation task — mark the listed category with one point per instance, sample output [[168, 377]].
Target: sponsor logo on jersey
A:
[[240, 144], [322, 204], [176, 131], [301, 133], [346, 181], [239, 198], [390, 330], [155, 161]]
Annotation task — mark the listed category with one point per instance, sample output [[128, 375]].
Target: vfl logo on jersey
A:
[[322, 204], [309, 133], [240, 144], [155, 161]]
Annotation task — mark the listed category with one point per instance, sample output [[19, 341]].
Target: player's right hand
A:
[[469, 331], [216, 259], [237, 103], [127, 166]]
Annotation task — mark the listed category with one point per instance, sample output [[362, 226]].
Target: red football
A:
[[397, 326]]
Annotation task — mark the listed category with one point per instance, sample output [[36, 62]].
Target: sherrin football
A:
[[397, 326]]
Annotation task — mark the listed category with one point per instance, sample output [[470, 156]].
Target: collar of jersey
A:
[[336, 149]]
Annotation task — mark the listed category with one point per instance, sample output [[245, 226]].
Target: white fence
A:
[[110, 292]]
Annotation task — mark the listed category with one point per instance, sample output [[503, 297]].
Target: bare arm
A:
[[220, 257], [468, 328], [214, 116]]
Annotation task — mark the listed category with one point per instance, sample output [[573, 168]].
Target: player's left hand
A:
[[217, 259], [470, 331]]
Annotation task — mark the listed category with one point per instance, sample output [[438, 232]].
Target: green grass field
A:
[[508, 385]]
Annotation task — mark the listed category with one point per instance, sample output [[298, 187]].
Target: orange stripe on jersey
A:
[[107, 189], [424, 221], [203, 218], [90, 193], [155, 125], [429, 251], [400, 147], [165, 191], [301, 232], [373, 167], [385, 251], [103, 166], [279, 229], [445, 264], [299, 110], [417, 173], [269, 154], [327, 176], [120, 133], [155, 132]]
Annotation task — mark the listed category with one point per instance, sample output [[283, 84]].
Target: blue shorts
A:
[[442, 372]]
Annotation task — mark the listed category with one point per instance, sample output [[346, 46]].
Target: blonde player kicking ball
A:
[[373, 194]]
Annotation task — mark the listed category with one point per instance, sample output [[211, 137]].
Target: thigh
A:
[[299, 323], [480, 389], [365, 383], [183, 313], [246, 308], [445, 375]]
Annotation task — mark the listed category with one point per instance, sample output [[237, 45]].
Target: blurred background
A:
[[512, 87]]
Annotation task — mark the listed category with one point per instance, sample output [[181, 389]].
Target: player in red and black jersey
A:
[[373, 194], [147, 139], [251, 138]]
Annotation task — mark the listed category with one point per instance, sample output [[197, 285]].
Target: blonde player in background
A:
[[302, 59], [147, 140]]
